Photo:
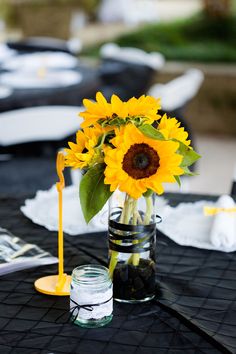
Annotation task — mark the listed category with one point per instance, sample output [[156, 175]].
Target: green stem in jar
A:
[[124, 219], [135, 257], [149, 210]]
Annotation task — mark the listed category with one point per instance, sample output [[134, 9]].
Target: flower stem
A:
[[124, 219], [149, 210], [135, 256]]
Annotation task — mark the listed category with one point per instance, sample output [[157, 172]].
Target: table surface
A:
[[70, 95], [194, 309]]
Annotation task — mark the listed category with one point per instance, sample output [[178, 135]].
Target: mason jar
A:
[[91, 296]]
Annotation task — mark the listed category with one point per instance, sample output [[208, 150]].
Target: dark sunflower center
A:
[[141, 161]]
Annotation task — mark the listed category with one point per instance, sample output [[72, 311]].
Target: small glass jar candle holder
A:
[[91, 302]]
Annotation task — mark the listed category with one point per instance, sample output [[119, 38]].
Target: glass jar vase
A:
[[91, 301], [132, 247]]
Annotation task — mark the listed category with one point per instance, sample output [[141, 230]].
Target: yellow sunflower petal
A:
[[82, 154], [171, 129], [118, 107]]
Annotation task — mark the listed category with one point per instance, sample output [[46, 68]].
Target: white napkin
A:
[[223, 231], [187, 225], [43, 210]]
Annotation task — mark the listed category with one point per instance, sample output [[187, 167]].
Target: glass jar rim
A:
[[91, 275]]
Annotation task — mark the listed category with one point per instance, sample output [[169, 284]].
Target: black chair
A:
[[44, 44], [127, 72]]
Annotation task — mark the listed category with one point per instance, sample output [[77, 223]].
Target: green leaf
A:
[[178, 180], [188, 172], [93, 192], [189, 155], [151, 132]]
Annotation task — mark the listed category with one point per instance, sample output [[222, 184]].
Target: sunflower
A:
[[144, 108], [170, 129], [138, 163], [83, 153], [102, 110]]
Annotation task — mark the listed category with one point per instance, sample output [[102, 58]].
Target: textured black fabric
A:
[[27, 175], [194, 311]]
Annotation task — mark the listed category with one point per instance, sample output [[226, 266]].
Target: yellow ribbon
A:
[[208, 211]]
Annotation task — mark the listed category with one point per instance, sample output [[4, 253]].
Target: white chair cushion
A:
[[154, 60], [38, 124]]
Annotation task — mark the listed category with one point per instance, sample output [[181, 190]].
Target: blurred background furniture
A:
[[233, 186], [45, 78], [29, 141], [39, 76], [126, 71], [38, 131], [131, 12], [32, 44], [177, 93], [60, 12], [130, 72]]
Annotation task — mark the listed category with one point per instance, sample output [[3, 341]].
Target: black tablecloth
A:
[[194, 310], [27, 175], [71, 95], [195, 306]]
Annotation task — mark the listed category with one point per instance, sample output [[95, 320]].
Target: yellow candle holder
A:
[[57, 284]]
